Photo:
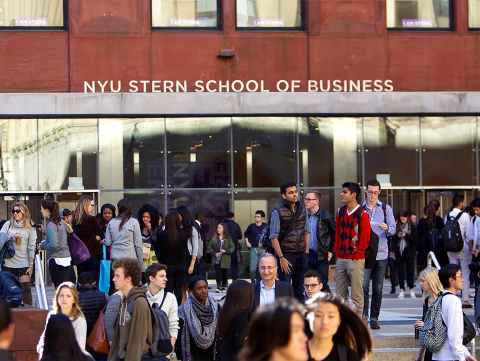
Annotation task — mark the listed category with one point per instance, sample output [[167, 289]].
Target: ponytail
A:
[[54, 210]]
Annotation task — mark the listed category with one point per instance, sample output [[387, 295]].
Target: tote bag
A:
[[98, 337], [104, 282], [78, 250]]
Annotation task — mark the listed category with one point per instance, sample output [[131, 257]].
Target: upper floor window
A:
[[26, 14], [273, 14], [186, 13], [473, 14], [420, 14]]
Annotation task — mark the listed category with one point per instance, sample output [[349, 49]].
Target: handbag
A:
[[98, 337], [78, 251], [104, 281], [239, 255]]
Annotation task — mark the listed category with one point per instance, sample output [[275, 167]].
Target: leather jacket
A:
[[326, 226]]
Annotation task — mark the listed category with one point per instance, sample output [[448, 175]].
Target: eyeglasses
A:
[[313, 285], [309, 199], [370, 193], [16, 211], [270, 268]]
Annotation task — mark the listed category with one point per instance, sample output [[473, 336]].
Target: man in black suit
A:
[[269, 288]]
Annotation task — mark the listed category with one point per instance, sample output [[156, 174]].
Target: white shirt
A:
[[465, 225], [267, 295], [476, 230], [452, 315]]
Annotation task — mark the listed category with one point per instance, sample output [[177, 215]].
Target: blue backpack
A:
[[10, 289]]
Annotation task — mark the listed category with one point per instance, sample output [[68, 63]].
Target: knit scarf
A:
[[18, 224], [200, 322]]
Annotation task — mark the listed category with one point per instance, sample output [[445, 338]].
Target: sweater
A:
[[56, 241], [111, 315], [23, 251], [87, 231], [166, 253], [125, 243], [170, 307], [352, 238], [133, 331], [80, 327], [91, 301]]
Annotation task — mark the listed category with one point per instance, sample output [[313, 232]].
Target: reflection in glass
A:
[[391, 150], [184, 13], [19, 165], [269, 13], [35, 13], [448, 156], [198, 152], [264, 151], [132, 154], [67, 153], [416, 14]]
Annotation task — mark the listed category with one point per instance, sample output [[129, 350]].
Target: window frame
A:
[[42, 28], [302, 27], [452, 28], [219, 26]]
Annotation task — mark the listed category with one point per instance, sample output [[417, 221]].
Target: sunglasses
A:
[[16, 211]]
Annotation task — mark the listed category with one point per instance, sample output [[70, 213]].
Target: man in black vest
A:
[[290, 237]]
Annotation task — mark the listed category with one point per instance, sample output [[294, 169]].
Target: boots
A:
[[27, 293]]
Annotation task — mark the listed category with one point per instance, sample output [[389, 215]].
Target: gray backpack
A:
[[433, 334]]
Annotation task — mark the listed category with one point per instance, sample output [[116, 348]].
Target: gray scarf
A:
[[200, 322], [18, 224]]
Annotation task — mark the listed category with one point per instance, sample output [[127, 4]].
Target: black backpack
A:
[[435, 241], [452, 234], [161, 345], [372, 249], [264, 239], [10, 289], [468, 329]]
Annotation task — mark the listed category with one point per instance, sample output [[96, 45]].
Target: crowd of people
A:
[[159, 304]]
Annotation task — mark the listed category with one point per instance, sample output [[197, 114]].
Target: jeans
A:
[[392, 265], [221, 276], [408, 264], [298, 266], [201, 266], [233, 266], [463, 258], [321, 266], [351, 272], [176, 277], [255, 254], [377, 273]]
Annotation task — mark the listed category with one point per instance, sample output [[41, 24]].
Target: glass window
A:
[[32, 13], [391, 150], [448, 154], [419, 14], [185, 13], [132, 153], [269, 14], [67, 153], [198, 153], [474, 14], [264, 151], [19, 162], [329, 151], [136, 198]]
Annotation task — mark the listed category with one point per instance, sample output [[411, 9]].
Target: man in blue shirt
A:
[[383, 224]]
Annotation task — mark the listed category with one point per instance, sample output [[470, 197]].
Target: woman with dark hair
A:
[[60, 341], [221, 248], [86, 227], [124, 235], [55, 243], [195, 245], [233, 318], [337, 330], [170, 249], [148, 219], [276, 333], [107, 213], [429, 227], [405, 245]]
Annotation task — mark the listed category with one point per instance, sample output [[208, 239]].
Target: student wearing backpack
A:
[[382, 222], [429, 235], [156, 275], [133, 330], [452, 281], [458, 231], [352, 238]]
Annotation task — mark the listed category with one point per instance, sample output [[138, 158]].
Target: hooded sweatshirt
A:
[[133, 332]]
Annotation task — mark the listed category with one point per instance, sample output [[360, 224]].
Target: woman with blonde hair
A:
[[66, 302], [20, 228], [86, 227], [432, 287]]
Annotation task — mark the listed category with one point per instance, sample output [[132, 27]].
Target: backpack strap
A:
[[458, 216], [342, 352], [163, 300], [384, 209]]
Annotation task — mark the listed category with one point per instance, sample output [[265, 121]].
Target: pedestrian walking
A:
[[322, 237], [25, 237], [86, 227], [429, 234], [290, 237], [405, 244], [351, 240], [251, 240], [382, 223], [221, 248], [338, 332]]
